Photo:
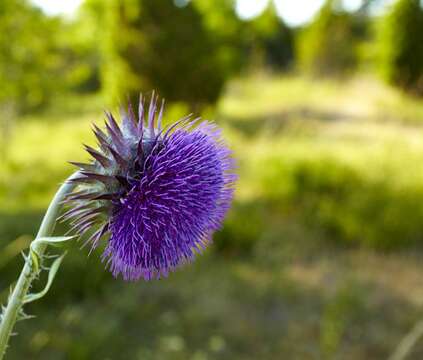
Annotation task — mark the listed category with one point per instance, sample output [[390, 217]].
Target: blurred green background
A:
[[321, 255]]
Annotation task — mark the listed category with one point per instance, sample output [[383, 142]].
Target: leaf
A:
[[53, 240], [52, 273], [56, 241]]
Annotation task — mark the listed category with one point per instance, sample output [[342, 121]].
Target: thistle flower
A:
[[156, 194]]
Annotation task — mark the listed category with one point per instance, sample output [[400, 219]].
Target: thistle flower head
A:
[[155, 194]]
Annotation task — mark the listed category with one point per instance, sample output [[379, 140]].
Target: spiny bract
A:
[[156, 194]]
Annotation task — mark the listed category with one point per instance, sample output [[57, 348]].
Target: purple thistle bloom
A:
[[157, 194]]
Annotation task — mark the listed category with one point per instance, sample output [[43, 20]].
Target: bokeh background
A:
[[321, 255]]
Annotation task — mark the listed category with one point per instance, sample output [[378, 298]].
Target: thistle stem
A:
[[29, 273]]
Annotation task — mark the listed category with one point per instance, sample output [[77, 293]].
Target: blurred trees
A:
[[270, 40], [157, 45], [226, 31], [329, 45], [184, 49], [402, 46], [29, 58], [261, 41], [188, 49], [80, 48]]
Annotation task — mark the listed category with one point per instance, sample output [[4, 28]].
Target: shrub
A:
[[346, 205], [226, 31], [28, 58], [239, 235], [402, 47], [157, 45], [270, 40], [329, 45]]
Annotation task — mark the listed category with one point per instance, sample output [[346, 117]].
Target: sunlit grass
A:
[[337, 120], [359, 97]]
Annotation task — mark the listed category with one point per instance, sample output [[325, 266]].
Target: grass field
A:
[[321, 256]]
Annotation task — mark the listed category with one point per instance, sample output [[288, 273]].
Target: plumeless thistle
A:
[[158, 194], [154, 195]]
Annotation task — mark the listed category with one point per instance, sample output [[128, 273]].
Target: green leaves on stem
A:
[[36, 260]]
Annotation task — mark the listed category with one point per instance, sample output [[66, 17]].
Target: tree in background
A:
[[157, 45], [402, 46], [329, 45], [80, 48], [29, 61], [270, 40], [261, 41], [227, 32]]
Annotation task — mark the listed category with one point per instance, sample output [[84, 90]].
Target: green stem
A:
[[29, 272]]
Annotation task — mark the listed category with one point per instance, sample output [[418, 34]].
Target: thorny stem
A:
[[29, 272]]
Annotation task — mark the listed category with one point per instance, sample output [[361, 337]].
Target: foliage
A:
[[80, 49], [329, 45], [29, 63], [401, 47], [271, 41], [156, 45], [338, 314], [348, 208], [226, 31]]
